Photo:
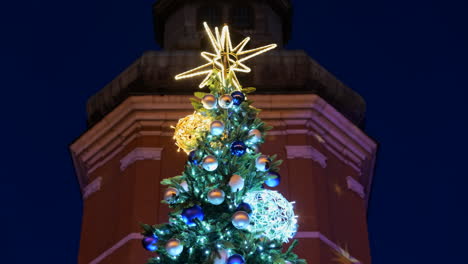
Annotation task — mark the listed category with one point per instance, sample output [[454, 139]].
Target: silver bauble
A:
[[225, 101], [263, 163], [216, 196], [170, 194], [240, 220], [236, 183], [184, 186], [209, 101], [210, 163], [255, 135], [216, 128], [174, 247], [221, 259]]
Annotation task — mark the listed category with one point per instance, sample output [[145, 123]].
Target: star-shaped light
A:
[[226, 60]]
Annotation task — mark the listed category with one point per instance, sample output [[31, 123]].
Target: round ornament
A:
[[149, 242], [236, 183], [209, 101], [237, 98], [189, 215], [174, 247], [184, 186], [255, 135], [216, 196], [238, 148], [192, 157], [244, 207], [170, 194], [273, 179], [217, 128], [240, 220], [189, 130], [263, 163], [225, 101], [272, 215], [210, 163], [221, 257], [235, 259]]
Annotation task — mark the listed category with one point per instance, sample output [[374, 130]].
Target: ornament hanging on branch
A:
[[216, 196], [210, 163], [149, 242], [174, 247], [189, 130]]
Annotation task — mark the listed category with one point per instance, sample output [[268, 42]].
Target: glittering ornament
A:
[[238, 148], [216, 196], [225, 101], [221, 257], [174, 247], [192, 157], [149, 242], [244, 207], [235, 259], [209, 101], [216, 128], [189, 130], [272, 215], [263, 163], [210, 163], [237, 98], [273, 179], [189, 215], [240, 220], [255, 135], [236, 183], [170, 195], [184, 186]]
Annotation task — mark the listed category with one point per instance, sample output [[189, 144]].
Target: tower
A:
[[128, 148]]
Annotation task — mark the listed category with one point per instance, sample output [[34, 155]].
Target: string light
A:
[[189, 129], [226, 60]]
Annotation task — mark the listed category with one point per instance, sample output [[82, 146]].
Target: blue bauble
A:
[[237, 97], [244, 207], [235, 259], [273, 180], [192, 158], [189, 214], [238, 148], [149, 242]]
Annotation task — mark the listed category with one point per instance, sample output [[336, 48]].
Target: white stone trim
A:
[[118, 245], [327, 241], [306, 152], [140, 154], [355, 186], [91, 188]]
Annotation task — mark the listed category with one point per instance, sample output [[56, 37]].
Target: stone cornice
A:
[[140, 154], [129, 120], [306, 152]]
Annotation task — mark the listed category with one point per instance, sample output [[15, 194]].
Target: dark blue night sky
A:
[[408, 59]]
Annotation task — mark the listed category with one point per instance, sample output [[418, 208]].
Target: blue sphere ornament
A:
[[189, 215], [273, 180], [244, 207], [193, 158], [238, 148], [237, 97], [149, 242], [235, 259]]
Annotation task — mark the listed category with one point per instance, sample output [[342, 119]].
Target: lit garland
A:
[[226, 60], [189, 130], [272, 215]]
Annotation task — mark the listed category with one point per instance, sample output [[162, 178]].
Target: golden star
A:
[[226, 60]]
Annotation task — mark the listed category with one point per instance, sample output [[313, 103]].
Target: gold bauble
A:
[[189, 130]]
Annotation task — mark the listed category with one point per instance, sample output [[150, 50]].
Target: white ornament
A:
[[255, 135], [210, 163], [240, 220], [223, 256], [216, 196], [236, 183], [263, 163], [209, 101], [272, 215], [174, 247], [216, 128], [225, 101], [184, 186], [171, 194]]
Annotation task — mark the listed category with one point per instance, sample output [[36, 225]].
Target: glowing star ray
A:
[[225, 60]]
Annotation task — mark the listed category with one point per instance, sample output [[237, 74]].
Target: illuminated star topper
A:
[[226, 60]]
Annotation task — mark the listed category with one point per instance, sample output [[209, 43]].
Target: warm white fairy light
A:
[[226, 60], [272, 215]]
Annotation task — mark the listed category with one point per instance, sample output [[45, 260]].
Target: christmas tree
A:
[[220, 211]]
